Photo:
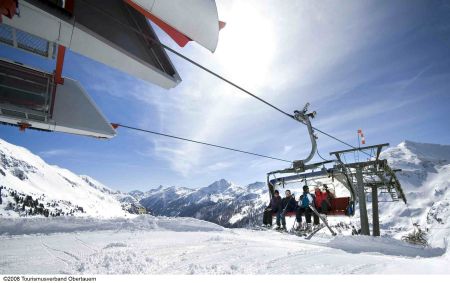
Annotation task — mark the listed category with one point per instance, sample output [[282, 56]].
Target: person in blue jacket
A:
[[306, 199]]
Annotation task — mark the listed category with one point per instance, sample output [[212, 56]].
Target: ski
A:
[[324, 221], [308, 237]]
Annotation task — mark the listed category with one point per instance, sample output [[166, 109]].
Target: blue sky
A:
[[383, 66]]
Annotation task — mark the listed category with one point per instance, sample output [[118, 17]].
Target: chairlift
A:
[[340, 206], [301, 171]]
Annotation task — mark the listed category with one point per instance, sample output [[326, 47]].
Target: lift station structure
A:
[[116, 33]]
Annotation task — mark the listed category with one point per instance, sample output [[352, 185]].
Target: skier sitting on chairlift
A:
[[288, 205], [322, 202], [325, 205], [319, 199], [322, 199], [330, 193], [274, 207], [306, 199]]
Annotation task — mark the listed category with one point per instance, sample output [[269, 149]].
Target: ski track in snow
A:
[[152, 245]]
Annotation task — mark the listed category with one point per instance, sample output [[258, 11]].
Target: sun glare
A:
[[247, 45]]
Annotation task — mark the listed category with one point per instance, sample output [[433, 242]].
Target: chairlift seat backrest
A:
[[338, 207]]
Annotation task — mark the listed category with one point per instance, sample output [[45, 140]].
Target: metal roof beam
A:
[[359, 148]]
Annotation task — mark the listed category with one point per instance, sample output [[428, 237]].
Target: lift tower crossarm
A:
[[377, 146]]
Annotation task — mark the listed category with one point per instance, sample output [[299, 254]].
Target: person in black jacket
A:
[[288, 204], [274, 207]]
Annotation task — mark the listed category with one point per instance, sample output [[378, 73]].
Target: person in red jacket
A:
[[322, 201], [318, 197]]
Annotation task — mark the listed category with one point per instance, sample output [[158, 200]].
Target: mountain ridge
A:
[[425, 178]]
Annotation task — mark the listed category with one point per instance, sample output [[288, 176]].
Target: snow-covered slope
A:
[[30, 183], [160, 245]]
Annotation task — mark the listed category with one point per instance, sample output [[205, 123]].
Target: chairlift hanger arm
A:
[[304, 117], [299, 165]]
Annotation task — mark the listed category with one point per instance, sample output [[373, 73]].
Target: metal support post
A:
[[375, 215], [362, 202]]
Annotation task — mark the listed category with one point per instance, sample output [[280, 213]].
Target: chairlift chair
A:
[[340, 206]]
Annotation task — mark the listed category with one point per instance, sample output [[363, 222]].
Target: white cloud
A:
[[55, 152], [218, 166], [287, 148]]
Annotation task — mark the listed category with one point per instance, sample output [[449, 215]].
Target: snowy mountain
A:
[[109, 243], [32, 187], [425, 178], [222, 202]]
